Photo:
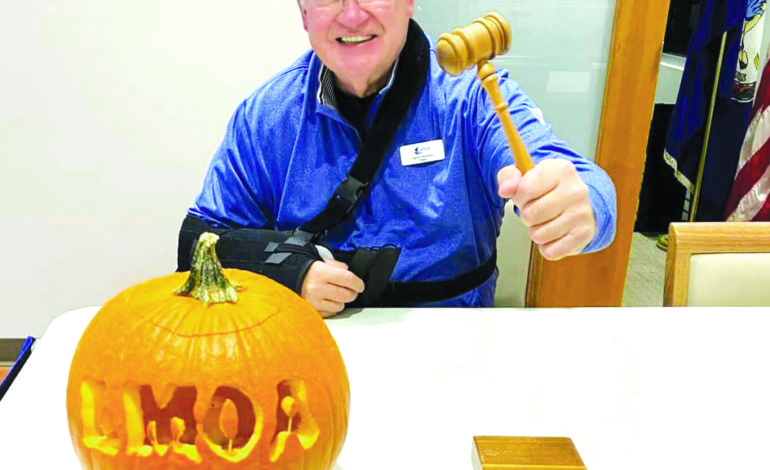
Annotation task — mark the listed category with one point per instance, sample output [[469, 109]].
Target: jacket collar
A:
[[326, 91]]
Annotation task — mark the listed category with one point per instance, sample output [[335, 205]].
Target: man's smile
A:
[[360, 42], [357, 39]]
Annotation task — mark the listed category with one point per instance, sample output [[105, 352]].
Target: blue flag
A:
[[732, 104]]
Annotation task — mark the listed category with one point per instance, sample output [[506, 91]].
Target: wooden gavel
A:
[[475, 45]]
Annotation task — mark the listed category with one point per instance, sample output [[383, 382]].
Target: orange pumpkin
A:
[[216, 376]]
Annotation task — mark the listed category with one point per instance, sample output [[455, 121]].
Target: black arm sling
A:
[[285, 257]]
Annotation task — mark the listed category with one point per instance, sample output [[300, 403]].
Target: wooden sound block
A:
[[525, 453]]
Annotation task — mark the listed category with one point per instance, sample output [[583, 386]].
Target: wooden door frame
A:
[[599, 279]]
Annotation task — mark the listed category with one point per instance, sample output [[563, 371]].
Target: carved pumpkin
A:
[[216, 376]]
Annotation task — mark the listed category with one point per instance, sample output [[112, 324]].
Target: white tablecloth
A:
[[635, 389]]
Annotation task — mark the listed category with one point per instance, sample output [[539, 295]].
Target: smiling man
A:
[[363, 174], [358, 41]]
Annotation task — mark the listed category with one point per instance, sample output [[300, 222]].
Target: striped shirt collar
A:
[[326, 85]]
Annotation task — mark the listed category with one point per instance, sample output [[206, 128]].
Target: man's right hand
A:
[[329, 285]]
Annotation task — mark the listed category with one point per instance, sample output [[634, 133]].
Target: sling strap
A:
[[408, 293], [409, 78]]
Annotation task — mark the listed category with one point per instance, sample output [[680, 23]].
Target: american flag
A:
[[748, 197]]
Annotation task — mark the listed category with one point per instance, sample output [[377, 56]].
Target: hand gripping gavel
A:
[[475, 45]]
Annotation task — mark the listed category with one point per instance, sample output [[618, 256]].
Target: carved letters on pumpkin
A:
[[293, 419], [171, 425], [231, 427], [98, 430]]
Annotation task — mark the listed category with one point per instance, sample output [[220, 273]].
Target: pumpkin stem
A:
[[207, 282]]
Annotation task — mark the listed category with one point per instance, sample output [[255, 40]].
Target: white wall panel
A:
[[109, 114]]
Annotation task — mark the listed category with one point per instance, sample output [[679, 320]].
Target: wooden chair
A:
[[718, 264]]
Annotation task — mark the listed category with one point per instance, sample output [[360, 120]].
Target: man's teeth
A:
[[355, 39]]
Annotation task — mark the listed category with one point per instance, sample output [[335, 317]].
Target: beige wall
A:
[[109, 114]]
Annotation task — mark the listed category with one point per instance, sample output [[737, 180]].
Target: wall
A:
[[669, 77], [109, 114]]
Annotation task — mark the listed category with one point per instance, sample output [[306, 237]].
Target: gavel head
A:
[[481, 40]]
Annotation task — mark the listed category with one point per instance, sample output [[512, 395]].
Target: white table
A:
[[635, 389]]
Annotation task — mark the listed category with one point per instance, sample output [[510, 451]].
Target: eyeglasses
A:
[[337, 4]]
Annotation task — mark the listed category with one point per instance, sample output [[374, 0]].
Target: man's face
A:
[[359, 40]]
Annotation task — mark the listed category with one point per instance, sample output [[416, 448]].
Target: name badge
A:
[[424, 152]]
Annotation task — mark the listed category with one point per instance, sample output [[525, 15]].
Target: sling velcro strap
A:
[[398, 294], [281, 256], [408, 293], [374, 266]]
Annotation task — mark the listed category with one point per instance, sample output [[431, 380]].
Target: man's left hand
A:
[[553, 203]]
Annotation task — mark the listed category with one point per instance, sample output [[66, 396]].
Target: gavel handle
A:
[[486, 73]]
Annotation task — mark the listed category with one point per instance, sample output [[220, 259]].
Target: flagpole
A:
[[662, 242], [704, 150]]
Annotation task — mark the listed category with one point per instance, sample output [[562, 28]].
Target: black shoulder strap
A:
[[408, 293], [410, 76]]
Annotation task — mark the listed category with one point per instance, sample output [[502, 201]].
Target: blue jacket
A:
[[286, 150]]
